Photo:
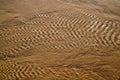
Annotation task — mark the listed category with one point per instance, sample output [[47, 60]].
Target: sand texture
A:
[[59, 39]]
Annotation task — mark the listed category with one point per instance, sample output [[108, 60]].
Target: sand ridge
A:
[[59, 40]]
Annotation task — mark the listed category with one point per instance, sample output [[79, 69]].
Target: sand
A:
[[60, 40]]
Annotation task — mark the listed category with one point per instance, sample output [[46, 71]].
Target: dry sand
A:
[[59, 40]]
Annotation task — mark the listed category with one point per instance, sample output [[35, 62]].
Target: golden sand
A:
[[59, 40]]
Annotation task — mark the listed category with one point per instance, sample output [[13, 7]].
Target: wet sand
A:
[[59, 40]]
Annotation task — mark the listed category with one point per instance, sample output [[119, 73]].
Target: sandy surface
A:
[[59, 40]]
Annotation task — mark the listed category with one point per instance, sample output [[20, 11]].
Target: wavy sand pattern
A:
[[60, 40]]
